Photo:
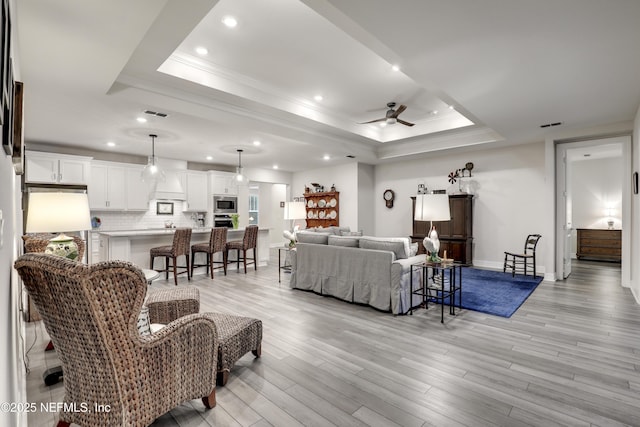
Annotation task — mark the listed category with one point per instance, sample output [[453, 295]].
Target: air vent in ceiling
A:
[[548, 125], [351, 156], [155, 113]]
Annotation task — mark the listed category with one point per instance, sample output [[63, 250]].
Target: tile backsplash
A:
[[122, 220]]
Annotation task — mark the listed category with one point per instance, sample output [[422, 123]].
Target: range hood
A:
[[171, 188]]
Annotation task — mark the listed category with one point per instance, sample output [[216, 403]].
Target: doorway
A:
[[593, 192]]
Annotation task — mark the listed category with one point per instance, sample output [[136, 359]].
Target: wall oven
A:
[[225, 205]]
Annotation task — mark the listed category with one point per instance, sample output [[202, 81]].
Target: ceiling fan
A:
[[392, 116]]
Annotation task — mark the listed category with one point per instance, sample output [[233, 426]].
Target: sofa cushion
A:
[[351, 233], [311, 237], [398, 245], [347, 241]]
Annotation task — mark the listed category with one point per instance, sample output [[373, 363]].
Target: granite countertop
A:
[[159, 231]]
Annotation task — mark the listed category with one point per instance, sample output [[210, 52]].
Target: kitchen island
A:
[[134, 245]]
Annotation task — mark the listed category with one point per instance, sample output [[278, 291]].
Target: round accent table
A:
[[150, 275]]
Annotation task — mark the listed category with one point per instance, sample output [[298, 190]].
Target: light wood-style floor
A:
[[569, 356]]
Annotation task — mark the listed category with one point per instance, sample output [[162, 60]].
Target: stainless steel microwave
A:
[[225, 204]]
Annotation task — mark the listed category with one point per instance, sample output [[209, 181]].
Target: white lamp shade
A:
[[432, 207], [58, 212], [294, 210]]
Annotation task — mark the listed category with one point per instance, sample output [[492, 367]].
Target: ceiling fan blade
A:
[[405, 123], [398, 111], [372, 121]]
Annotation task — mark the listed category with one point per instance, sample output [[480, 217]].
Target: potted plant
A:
[[235, 220]]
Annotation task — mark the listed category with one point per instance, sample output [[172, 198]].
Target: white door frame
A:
[[561, 148]]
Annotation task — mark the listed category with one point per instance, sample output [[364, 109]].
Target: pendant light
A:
[[239, 176], [152, 173]]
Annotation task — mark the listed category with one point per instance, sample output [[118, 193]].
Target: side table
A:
[[446, 281], [282, 265]]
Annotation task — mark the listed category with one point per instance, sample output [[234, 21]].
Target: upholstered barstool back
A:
[[248, 242], [217, 243], [180, 247]]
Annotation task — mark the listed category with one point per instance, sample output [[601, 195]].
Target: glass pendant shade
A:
[[239, 174], [152, 173]]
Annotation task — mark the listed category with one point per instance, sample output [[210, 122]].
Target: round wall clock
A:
[[388, 198]]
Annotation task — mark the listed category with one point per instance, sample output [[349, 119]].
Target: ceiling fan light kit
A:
[[391, 116]]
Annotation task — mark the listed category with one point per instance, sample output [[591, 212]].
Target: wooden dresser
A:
[[456, 236], [604, 245]]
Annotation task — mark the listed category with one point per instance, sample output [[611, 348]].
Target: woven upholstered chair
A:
[[217, 243], [91, 312], [519, 262], [249, 241], [180, 247]]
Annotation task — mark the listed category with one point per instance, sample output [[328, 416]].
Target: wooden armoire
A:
[[456, 236]]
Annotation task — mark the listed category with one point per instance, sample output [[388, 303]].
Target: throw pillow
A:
[[351, 233], [345, 241], [143, 321], [316, 237], [398, 245], [414, 249]]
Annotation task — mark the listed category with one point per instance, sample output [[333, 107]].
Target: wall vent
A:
[[548, 125], [155, 113]]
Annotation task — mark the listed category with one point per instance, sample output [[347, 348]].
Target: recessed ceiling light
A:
[[435, 112], [141, 120], [230, 21], [200, 50], [318, 98], [257, 143], [111, 144], [209, 157], [275, 166], [451, 107], [326, 157], [395, 68]]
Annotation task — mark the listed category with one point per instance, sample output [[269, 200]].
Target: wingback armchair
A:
[[90, 312]]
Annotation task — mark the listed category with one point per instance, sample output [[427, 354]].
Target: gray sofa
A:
[[366, 270]]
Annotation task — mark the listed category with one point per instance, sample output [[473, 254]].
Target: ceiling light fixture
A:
[[395, 68], [257, 143], [141, 120], [230, 21], [318, 98], [239, 175], [391, 121], [451, 107], [209, 157], [275, 166], [202, 50], [151, 173], [326, 157], [111, 144]]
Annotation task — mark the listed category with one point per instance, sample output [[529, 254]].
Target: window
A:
[[253, 209]]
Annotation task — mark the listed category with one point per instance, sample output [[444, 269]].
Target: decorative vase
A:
[[63, 246]]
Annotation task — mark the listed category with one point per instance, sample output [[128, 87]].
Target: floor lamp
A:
[[432, 207], [293, 211]]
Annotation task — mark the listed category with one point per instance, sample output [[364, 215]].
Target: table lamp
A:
[[432, 207], [293, 211], [59, 212]]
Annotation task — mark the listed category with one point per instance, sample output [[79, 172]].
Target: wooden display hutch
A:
[[322, 211], [456, 236]]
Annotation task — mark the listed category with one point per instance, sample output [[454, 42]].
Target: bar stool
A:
[[217, 243], [181, 242], [249, 241]]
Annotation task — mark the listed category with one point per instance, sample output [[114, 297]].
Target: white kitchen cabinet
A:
[[224, 183], [107, 187], [51, 168], [137, 190], [196, 192]]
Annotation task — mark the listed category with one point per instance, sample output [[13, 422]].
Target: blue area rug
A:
[[495, 292]]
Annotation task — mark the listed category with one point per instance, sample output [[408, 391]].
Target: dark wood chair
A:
[[249, 241], [217, 243], [519, 262], [180, 247]]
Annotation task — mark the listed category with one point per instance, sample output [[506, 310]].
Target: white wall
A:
[[597, 185], [509, 194], [634, 283], [366, 198], [12, 389]]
